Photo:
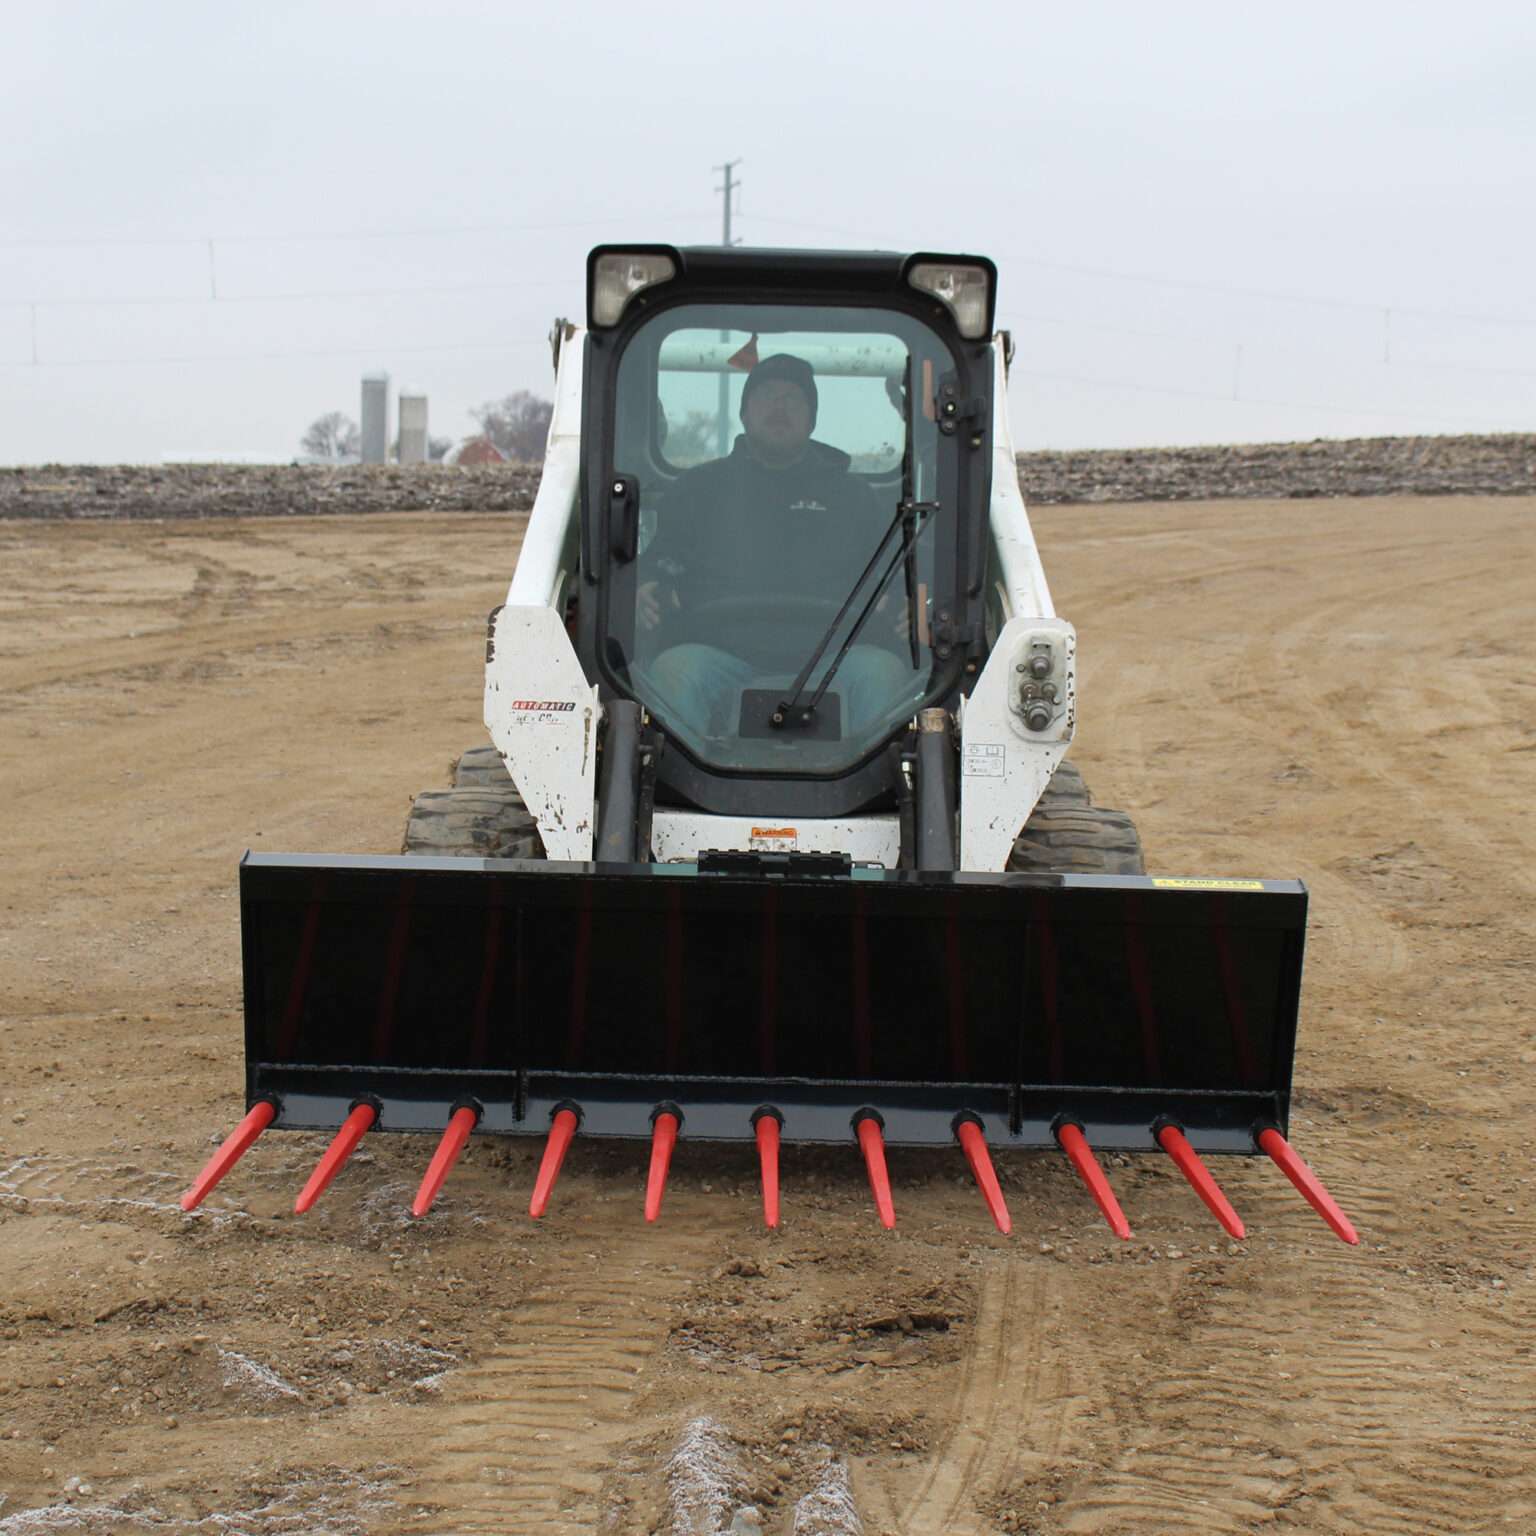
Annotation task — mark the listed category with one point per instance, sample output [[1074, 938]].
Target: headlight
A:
[[963, 289], [618, 276]]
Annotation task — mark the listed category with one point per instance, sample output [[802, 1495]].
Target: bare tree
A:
[[691, 440], [332, 436], [518, 424]]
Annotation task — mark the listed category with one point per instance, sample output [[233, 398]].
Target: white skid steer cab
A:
[[774, 839]]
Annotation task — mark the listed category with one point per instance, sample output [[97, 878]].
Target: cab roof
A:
[[779, 273]]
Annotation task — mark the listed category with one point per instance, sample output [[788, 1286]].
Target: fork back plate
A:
[[421, 984]]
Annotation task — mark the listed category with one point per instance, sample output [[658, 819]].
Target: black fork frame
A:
[[1118, 1003]]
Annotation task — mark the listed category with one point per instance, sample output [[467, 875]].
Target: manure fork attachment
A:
[[799, 1001]]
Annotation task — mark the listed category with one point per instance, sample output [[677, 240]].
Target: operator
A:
[[779, 520]]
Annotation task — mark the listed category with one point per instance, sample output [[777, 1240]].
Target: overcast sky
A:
[[1212, 222]]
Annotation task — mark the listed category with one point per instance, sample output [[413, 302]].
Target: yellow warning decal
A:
[[1175, 884]]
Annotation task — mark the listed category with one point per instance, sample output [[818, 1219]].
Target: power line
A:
[[1015, 319], [1045, 375], [1199, 285], [283, 298], [331, 295], [876, 242], [318, 236], [1235, 399], [1103, 273], [1231, 290], [373, 349]]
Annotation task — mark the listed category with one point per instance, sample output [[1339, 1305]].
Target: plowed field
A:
[[1339, 690]]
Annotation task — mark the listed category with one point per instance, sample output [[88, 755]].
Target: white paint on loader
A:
[[542, 714], [1004, 763]]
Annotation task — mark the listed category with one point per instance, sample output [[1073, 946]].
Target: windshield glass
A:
[[767, 447]]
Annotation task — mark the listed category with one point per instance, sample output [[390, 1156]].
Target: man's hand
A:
[[650, 600]]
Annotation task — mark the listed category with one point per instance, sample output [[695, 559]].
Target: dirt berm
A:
[[1380, 466]]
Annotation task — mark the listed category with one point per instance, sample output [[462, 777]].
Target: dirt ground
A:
[[1342, 691]]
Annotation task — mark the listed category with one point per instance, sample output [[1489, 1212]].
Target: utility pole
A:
[[722, 417], [729, 187]]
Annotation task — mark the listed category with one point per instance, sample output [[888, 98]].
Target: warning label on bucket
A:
[[1176, 884], [774, 840]]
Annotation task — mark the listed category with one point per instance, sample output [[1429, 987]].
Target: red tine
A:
[[872, 1144], [767, 1122], [460, 1124], [974, 1143], [352, 1131], [1311, 1187], [663, 1139], [561, 1130], [1175, 1143], [231, 1150], [1075, 1145]]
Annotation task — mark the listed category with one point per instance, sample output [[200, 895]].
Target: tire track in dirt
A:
[[1369, 1471], [524, 1439], [89, 1186], [218, 640], [1014, 1401], [1290, 1399]]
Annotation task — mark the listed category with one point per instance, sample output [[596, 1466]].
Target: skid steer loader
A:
[[774, 840]]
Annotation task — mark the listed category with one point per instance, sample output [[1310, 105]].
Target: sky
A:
[[1212, 222]]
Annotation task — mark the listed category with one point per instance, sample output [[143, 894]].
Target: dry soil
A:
[[1343, 691]]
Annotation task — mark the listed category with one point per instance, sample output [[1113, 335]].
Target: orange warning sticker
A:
[[774, 839]]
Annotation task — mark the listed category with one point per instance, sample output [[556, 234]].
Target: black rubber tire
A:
[[1067, 787], [1077, 840], [480, 765], [482, 821]]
